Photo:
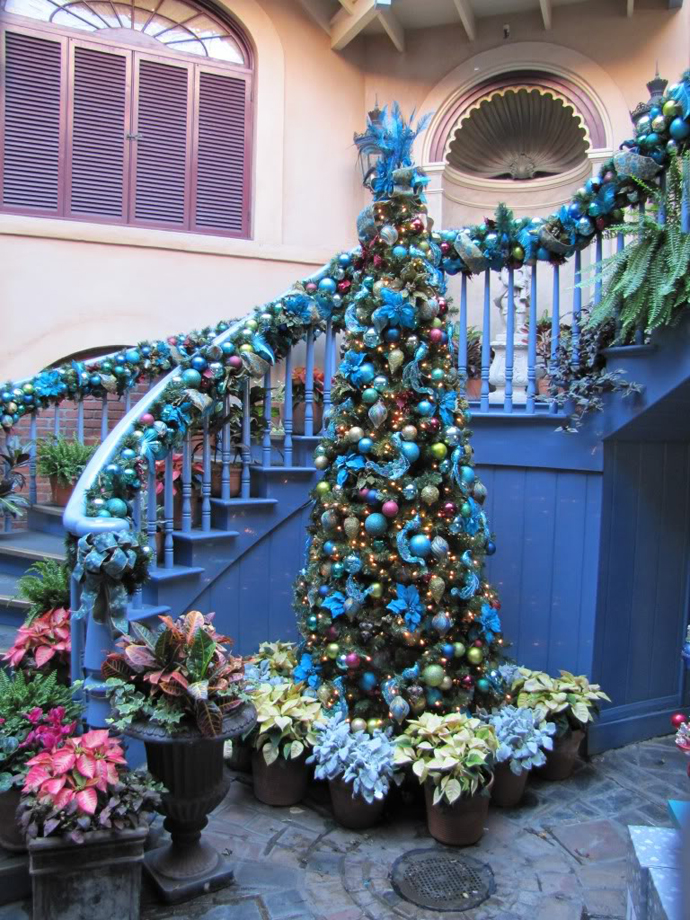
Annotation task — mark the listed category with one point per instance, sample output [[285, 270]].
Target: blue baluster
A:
[[246, 440], [206, 479], [136, 517], [128, 402], [152, 512], [462, 337], [599, 257], [510, 343], [56, 421], [187, 483], [33, 491], [225, 456], [577, 311], [532, 344], [266, 451], [77, 630], [662, 203], [168, 512], [287, 415], [7, 516], [309, 387], [486, 341], [104, 418], [639, 332], [80, 421], [327, 371], [555, 329]]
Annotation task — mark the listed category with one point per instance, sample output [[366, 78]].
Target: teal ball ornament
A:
[[370, 396], [368, 682], [329, 548], [312, 621], [328, 286], [128, 454], [365, 445], [433, 674], [585, 226], [425, 408], [438, 375], [376, 524], [399, 252], [344, 259], [129, 474], [112, 469], [466, 509], [104, 513], [117, 507], [679, 129], [467, 475], [132, 356], [191, 378], [228, 348], [338, 569], [410, 491], [380, 382], [420, 545], [483, 685], [410, 451]]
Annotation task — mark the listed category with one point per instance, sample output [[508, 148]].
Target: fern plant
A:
[[46, 586], [64, 458], [647, 284]]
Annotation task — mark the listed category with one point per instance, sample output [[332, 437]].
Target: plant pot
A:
[[560, 762], [298, 418], [99, 879], [191, 768], [241, 758], [11, 837], [282, 783], [460, 824], [508, 788], [353, 811], [473, 388], [60, 493], [195, 508], [217, 480]]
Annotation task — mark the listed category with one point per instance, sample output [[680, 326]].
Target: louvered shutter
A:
[[220, 174], [32, 123], [98, 148], [162, 149]]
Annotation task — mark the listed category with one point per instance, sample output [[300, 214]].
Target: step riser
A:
[[11, 615], [174, 594], [201, 552], [284, 485], [16, 565], [45, 523]]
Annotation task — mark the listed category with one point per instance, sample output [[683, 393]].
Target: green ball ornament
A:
[[333, 650], [358, 725], [670, 109], [518, 253], [475, 655], [433, 675], [370, 396], [252, 324], [246, 348], [322, 488], [447, 682], [483, 685], [439, 450], [459, 649], [376, 589], [373, 725]]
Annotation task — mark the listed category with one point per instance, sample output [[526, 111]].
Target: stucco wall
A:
[[66, 286]]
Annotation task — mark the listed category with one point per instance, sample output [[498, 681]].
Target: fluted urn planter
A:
[[11, 837], [191, 768]]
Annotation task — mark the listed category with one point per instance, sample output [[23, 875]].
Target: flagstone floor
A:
[[560, 856]]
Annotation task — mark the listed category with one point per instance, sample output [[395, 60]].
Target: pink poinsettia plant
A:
[[84, 785], [46, 639]]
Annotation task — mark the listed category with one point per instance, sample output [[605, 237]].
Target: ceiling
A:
[[345, 20]]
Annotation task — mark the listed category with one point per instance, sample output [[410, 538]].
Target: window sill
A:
[[141, 237]]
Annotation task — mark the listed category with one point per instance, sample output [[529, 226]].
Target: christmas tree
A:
[[395, 615]]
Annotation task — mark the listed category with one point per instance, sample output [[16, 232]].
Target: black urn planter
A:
[[191, 767]]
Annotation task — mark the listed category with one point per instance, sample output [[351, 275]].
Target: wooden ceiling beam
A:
[[346, 26], [630, 8], [466, 14], [316, 13], [393, 29], [546, 13]]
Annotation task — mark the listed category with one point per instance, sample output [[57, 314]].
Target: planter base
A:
[[163, 868]]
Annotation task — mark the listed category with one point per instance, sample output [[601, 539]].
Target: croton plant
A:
[[177, 675]]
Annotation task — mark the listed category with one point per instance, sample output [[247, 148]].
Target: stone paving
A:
[[560, 856]]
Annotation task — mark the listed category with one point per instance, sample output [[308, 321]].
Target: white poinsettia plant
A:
[[570, 701], [286, 720], [454, 752]]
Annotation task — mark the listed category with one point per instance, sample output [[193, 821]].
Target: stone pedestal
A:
[[497, 371]]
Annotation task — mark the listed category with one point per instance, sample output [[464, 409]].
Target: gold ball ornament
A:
[[429, 495], [351, 527], [333, 650], [324, 693], [355, 434], [373, 724], [376, 589], [409, 432], [358, 725], [321, 463], [326, 569], [447, 682]]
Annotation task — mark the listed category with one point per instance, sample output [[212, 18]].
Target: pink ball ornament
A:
[[467, 681], [436, 336], [442, 306], [146, 419], [352, 660], [310, 288], [363, 493], [678, 719], [449, 509], [332, 632], [235, 362], [478, 643], [390, 509], [433, 424]]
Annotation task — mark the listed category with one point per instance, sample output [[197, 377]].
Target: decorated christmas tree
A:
[[395, 615]]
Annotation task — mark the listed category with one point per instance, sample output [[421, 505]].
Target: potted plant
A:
[[286, 719], [358, 767], [523, 737], [86, 819], [177, 689], [299, 396], [43, 644], [452, 756], [46, 586], [62, 460], [569, 702], [12, 480], [36, 713]]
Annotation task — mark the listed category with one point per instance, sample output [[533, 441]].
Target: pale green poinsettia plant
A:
[[454, 752], [286, 720], [570, 701]]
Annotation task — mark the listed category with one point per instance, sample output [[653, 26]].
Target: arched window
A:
[[129, 113]]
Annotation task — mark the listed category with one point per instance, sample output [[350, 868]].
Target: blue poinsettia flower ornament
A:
[[408, 604]]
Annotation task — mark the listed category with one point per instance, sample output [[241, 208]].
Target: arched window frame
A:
[[207, 208]]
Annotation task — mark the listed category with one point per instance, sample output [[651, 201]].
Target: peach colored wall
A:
[[66, 286]]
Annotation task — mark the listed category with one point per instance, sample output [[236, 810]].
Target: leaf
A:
[[201, 654], [43, 654], [139, 657], [201, 401], [166, 646], [270, 754], [144, 633], [209, 718], [198, 690], [296, 749], [87, 800]]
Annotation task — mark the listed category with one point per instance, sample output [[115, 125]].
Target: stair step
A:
[[7, 637], [175, 573], [242, 503], [20, 549], [46, 518], [146, 612], [204, 536], [284, 470]]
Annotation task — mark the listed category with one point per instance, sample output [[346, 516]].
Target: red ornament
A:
[[442, 308], [496, 604], [445, 248], [433, 424], [352, 660], [436, 336], [678, 719], [600, 223], [478, 643], [344, 286], [417, 225], [467, 681], [147, 419], [449, 509]]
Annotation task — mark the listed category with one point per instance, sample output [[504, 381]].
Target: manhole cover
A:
[[442, 880]]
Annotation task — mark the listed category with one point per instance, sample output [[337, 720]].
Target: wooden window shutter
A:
[[32, 123], [98, 148], [221, 176], [161, 150]]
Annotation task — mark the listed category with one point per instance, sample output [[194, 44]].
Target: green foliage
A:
[[647, 284], [46, 585], [13, 457], [20, 694], [64, 458]]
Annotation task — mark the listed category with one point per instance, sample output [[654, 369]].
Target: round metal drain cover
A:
[[442, 879]]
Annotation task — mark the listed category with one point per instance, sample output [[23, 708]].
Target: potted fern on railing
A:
[[62, 460]]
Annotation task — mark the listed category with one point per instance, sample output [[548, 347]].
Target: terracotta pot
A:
[[560, 762], [298, 418], [282, 783], [241, 758], [11, 837], [473, 388], [353, 811], [544, 386], [60, 494], [460, 824], [217, 480], [99, 879], [508, 788], [195, 502]]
